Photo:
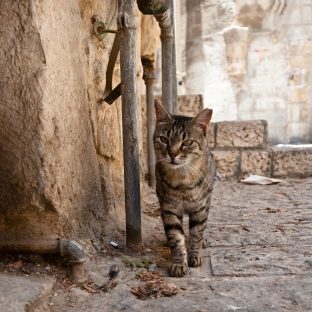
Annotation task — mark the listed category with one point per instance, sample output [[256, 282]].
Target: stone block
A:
[[300, 94], [292, 161], [306, 13], [227, 163], [190, 105], [242, 134], [307, 47], [296, 78], [255, 162], [24, 293], [211, 134], [300, 62]]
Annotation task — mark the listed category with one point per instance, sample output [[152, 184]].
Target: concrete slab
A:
[[259, 233], [252, 294], [261, 260], [23, 293]]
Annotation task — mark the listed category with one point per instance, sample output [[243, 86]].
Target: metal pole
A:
[[127, 29], [174, 64], [166, 37], [149, 77], [160, 9]]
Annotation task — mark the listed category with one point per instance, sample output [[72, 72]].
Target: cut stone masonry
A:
[[241, 148]]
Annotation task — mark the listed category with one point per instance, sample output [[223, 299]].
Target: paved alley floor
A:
[[259, 258]]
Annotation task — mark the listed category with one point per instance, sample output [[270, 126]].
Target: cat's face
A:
[[180, 142]]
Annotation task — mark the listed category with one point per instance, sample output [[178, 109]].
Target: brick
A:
[[227, 163], [292, 161], [255, 162], [244, 134]]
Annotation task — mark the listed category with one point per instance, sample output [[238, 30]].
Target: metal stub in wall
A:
[[113, 95], [99, 28]]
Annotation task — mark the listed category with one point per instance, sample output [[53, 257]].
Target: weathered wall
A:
[[257, 63], [60, 149]]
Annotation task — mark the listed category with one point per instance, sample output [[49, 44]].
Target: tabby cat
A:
[[184, 180]]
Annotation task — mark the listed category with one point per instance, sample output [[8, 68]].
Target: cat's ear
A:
[[202, 119], [161, 114]]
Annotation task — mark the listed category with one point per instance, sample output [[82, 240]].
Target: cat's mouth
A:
[[175, 164]]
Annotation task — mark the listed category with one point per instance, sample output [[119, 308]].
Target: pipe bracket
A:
[[126, 22]]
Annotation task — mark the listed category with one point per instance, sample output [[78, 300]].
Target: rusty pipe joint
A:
[[160, 9], [69, 250], [165, 24], [74, 255], [153, 7], [149, 74]]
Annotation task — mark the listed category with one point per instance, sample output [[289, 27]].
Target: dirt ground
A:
[[258, 258]]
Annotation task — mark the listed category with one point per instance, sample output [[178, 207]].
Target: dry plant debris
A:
[[155, 286], [134, 263]]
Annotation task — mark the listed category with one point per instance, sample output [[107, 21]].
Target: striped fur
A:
[[184, 181]]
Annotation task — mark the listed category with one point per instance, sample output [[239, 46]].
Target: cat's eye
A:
[[163, 140], [187, 143]]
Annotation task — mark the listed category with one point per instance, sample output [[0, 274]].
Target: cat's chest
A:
[[184, 198]]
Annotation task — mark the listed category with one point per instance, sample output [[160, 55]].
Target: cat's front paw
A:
[[194, 261], [178, 269]]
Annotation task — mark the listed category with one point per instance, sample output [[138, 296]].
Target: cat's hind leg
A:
[[176, 240]]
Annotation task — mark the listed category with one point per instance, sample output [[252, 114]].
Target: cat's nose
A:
[[172, 155]]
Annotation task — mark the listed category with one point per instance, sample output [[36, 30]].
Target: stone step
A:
[[277, 161], [241, 134], [23, 293], [292, 160]]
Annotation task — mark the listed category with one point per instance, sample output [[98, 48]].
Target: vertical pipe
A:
[[174, 63], [161, 10], [127, 29], [149, 77], [166, 37]]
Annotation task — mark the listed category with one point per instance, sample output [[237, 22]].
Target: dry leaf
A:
[[155, 289]]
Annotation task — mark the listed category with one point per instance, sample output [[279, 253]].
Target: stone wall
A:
[[256, 64], [240, 148], [61, 163]]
